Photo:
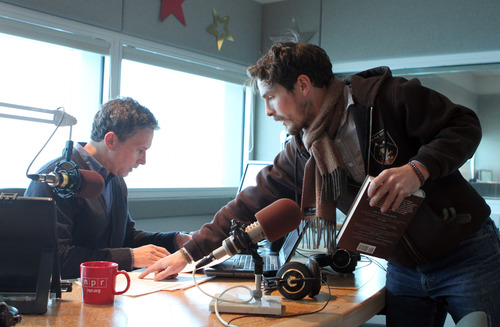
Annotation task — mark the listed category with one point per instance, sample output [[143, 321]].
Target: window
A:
[[201, 131], [48, 76], [199, 101]]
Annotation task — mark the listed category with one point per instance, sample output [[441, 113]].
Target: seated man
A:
[[101, 228]]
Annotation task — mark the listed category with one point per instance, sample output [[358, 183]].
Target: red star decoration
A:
[[172, 7]]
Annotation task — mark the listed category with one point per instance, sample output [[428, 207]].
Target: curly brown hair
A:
[[284, 62]]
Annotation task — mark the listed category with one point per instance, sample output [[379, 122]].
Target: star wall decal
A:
[[172, 7], [293, 34], [215, 29]]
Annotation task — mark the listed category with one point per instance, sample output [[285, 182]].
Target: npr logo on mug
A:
[[95, 282]]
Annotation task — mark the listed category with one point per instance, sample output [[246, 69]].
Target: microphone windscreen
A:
[[91, 184], [279, 218]]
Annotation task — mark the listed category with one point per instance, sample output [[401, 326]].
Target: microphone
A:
[[274, 221], [76, 182]]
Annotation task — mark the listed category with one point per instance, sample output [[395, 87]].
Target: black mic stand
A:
[[260, 304]]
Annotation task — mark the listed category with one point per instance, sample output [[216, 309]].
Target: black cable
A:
[[50, 137]]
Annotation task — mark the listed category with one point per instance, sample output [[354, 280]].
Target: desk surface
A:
[[355, 299]]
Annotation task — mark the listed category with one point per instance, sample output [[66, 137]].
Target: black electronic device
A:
[[29, 266], [242, 266], [295, 280], [9, 315], [342, 261]]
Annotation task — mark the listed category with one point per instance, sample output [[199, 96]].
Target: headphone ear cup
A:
[[344, 261], [316, 275], [8, 317], [293, 275]]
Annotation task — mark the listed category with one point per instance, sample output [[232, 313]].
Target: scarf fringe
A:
[[333, 185], [320, 232]]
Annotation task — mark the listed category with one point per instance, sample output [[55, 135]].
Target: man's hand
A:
[[167, 267], [181, 239], [397, 183], [148, 254]]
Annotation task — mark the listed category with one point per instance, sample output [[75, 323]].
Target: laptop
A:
[[249, 176], [241, 265], [29, 269]]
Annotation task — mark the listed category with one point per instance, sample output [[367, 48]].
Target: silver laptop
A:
[[241, 265]]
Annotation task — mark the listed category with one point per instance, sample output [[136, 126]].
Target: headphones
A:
[[295, 280], [8, 315], [342, 261]]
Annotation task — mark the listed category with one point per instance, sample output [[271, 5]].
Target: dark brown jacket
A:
[[407, 122]]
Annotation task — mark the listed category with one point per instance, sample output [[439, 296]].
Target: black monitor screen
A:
[[27, 234]]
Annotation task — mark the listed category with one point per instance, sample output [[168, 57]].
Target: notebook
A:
[[29, 270], [241, 265]]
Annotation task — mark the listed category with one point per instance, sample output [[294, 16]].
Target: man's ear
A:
[[111, 141], [304, 84]]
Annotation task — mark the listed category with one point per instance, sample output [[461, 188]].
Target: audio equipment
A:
[[8, 315], [296, 280], [67, 180], [72, 182], [273, 222], [342, 261]]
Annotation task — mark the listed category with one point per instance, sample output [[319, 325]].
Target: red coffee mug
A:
[[98, 281]]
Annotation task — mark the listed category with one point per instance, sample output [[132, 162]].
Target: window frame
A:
[[47, 28]]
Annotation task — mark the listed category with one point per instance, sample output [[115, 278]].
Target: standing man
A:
[[101, 228], [405, 135]]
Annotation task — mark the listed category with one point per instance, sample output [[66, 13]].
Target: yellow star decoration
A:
[[223, 35]]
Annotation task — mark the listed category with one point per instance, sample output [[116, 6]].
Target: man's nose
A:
[[142, 159], [269, 111]]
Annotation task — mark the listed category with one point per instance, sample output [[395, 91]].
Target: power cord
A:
[[220, 298], [298, 314]]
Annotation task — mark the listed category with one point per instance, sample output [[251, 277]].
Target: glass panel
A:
[[476, 87], [43, 75], [200, 140]]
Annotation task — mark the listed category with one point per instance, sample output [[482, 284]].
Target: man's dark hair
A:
[[124, 117], [284, 62]]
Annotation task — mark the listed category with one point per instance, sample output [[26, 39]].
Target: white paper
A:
[[149, 285]]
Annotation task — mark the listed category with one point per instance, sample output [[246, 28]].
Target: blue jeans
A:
[[463, 281]]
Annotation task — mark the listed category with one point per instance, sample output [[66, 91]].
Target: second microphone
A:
[[273, 222]]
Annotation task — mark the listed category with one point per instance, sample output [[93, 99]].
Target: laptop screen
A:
[[252, 168]]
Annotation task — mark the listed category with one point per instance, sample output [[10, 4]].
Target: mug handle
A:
[[128, 282]]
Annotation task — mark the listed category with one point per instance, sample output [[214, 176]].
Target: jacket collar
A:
[[366, 84]]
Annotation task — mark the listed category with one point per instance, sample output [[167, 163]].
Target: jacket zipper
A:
[[410, 248], [369, 141]]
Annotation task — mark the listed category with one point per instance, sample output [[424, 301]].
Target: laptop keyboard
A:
[[246, 262]]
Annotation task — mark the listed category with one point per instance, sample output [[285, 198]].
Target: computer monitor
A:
[[250, 171], [29, 269]]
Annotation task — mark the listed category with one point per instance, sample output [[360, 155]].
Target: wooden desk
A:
[[355, 299]]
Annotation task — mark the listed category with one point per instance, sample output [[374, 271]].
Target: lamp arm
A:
[[60, 118]]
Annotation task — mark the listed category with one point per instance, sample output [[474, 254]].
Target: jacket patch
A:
[[384, 150]]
